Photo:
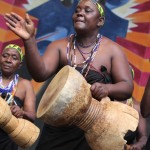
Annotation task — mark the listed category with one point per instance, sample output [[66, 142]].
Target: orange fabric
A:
[[139, 38], [141, 1], [7, 8], [140, 17], [138, 91], [9, 35], [36, 85], [3, 35], [139, 62]]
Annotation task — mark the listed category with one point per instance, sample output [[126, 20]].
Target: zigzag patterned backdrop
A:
[[129, 21]]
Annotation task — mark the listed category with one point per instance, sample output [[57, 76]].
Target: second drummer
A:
[[17, 92]]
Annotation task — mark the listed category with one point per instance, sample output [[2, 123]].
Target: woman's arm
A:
[[29, 102], [141, 138], [26, 93], [122, 86], [40, 67], [145, 102]]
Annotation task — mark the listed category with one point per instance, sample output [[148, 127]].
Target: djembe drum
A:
[[22, 132], [68, 101]]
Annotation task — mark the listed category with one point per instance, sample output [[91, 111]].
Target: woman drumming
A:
[[100, 60], [17, 92]]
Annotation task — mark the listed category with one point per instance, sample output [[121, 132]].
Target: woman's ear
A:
[[101, 21]]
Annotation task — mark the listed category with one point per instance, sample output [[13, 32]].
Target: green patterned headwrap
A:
[[99, 7], [18, 48]]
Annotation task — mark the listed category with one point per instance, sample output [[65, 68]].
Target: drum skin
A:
[[63, 100], [68, 101]]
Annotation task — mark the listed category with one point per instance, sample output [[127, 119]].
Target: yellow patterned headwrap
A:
[[18, 48], [99, 7]]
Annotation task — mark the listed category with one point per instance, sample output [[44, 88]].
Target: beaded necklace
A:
[[87, 62], [10, 89], [69, 52], [85, 46], [77, 45]]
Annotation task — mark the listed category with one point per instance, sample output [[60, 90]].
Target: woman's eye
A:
[[5, 55], [88, 10], [77, 10], [15, 58]]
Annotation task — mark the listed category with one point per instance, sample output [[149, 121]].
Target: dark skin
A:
[[87, 22], [145, 102], [141, 137], [10, 62], [142, 130]]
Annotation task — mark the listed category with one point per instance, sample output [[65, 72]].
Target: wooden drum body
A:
[[22, 132], [68, 101], [62, 101]]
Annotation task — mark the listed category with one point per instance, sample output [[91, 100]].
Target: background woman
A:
[[17, 92]]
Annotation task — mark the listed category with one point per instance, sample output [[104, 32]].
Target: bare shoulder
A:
[[59, 43], [25, 82], [111, 46]]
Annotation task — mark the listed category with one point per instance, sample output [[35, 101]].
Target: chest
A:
[[100, 58]]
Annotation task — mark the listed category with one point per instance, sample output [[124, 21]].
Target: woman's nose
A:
[[80, 13], [9, 59]]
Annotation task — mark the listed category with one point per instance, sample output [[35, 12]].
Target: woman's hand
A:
[[136, 146], [17, 111], [24, 28], [99, 90]]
